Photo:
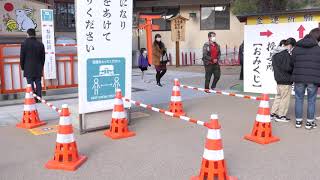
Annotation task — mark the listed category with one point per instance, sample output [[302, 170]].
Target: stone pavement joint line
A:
[[46, 103], [176, 115], [221, 92]]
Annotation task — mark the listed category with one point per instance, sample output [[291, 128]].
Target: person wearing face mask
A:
[[282, 64], [211, 56], [306, 75], [158, 54], [143, 61]]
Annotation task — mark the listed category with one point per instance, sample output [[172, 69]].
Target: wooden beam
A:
[[161, 3]]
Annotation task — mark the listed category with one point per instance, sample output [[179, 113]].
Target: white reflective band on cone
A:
[[28, 96], [176, 88], [176, 98], [213, 155], [29, 107], [118, 115], [264, 104], [118, 102], [65, 120], [65, 138], [214, 134], [263, 118]]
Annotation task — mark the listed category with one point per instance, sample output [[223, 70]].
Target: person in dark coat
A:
[[282, 67], [32, 58], [210, 56], [306, 76], [241, 59]]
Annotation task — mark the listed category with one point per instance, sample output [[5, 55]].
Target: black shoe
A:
[[311, 125], [298, 124], [159, 84], [273, 116], [282, 119]]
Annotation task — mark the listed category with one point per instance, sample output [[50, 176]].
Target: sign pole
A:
[[177, 54]]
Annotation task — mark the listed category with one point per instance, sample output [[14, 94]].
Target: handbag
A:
[[164, 59]]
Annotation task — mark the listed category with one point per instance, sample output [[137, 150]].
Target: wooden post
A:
[[177, 54]]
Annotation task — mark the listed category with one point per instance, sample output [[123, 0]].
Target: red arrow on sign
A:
[[301, 30], [267, 33]]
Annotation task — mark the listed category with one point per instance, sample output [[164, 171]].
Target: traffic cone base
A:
[[262, 128], [118, 136], [66, 156], [27, 119], [119, 123], [213, 165], [72, 166], [119, 129], [177, 107], [229, 178], [262, 137], [176, 100], [213, 170]]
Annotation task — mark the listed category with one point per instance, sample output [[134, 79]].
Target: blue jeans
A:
[[299, 89], [36, 81]]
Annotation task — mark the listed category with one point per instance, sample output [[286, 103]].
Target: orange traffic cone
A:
[[30, 117], [213, 166], [119, 123], [262, 129], [176, 101], [66, 155]]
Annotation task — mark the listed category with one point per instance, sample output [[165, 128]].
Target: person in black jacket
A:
[[241, 59], [306, 75], [282, 66], [32, 58]]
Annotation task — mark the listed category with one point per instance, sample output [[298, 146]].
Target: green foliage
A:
[[256, 6], [244, 6]]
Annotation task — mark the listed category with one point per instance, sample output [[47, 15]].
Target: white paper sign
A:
[[104, 38], [260, 41], [47, 25]]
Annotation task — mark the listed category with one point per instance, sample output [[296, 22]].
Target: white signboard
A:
[[260, 41], [104, 38], [48, 41]]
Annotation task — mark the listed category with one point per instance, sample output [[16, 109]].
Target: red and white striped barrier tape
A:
[[46, 103], [185, 118], [221, 92]]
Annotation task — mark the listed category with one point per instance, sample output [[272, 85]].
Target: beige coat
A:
[[156, 54]]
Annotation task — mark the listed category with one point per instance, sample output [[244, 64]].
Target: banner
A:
[[104, 38], [48, 41], [259, 43]]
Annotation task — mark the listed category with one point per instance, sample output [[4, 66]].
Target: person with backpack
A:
[[282, 64], [306, 76]]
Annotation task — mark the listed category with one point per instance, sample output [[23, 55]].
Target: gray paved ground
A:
[[166, 148]]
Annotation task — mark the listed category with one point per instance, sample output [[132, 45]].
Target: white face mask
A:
[[158, 39], [213, 39], [144, 53]]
